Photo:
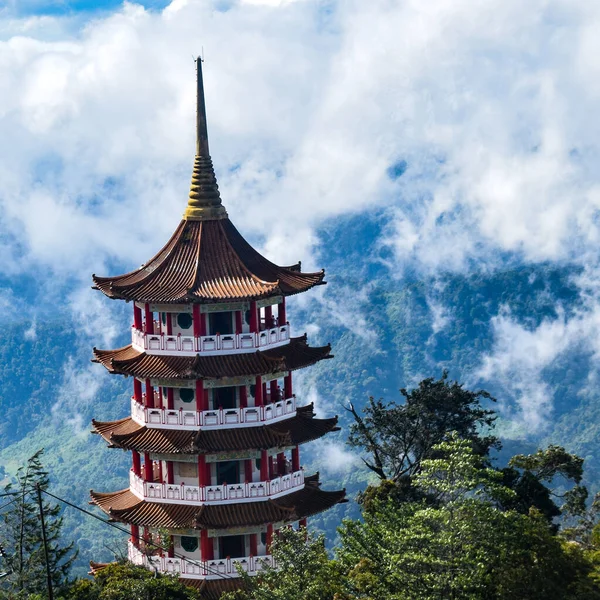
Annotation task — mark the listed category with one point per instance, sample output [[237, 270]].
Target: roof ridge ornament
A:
[[204, 200]]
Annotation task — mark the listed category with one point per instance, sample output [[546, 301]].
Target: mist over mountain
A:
[[516, 331]]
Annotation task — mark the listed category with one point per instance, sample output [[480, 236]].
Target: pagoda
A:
[[215, 427]]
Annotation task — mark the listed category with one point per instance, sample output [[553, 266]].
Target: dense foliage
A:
[[128, 582], [463, 546]]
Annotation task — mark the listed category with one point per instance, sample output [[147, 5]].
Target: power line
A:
[[9, 502], [139, 538]]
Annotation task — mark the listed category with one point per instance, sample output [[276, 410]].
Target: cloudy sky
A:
[[473, 125]]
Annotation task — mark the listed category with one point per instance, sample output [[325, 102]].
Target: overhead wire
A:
[[139, 538]]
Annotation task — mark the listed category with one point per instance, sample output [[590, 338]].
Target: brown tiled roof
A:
[[295, 355], [96, 567], [207, 261], [212, 589], [129, 435], [126, 507]]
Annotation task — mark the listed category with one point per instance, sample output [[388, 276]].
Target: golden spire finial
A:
[[204, 201]]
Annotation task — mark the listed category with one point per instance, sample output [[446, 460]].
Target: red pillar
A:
[[148, 474], [202, 470], [281, 313], [269, 537], [238, 321], [206, 546], [137, 317], [171, 550], [281, 464], [268, 317], [248, 470], [170, 398], [264, 465], [200, 396], [135, 535], [253, 317], [137, 390], [295, 459], [243, 396], [287, 385], [274, 391], [136, 463], [264, 391], [149, 394], [170, 473], [169, 318], [303, 522], [271, 468], [258, 392], [149, 319], [253, 544], [196, 319]]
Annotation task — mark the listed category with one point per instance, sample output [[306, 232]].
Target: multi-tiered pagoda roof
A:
[[215, 427]]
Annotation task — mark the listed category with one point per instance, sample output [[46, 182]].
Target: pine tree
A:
[[21, 536]]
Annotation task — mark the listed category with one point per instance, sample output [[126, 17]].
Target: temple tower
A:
[[215, 428]]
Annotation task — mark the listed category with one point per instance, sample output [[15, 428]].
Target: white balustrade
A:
[[215, 494], [189, 345], [164, 418], [209, 569]]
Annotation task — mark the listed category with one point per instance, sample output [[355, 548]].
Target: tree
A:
[[463, 546], [304, 572], [530, 476], [124, 581], [21, 536], [398, 437]]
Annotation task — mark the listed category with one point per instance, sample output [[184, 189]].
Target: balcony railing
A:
[[177, 493], [163, 418], [198, 569], [209, 345]]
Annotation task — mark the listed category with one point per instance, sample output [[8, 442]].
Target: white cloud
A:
[[521, 353], [492, 105], [76, 393], [307, 110], [30, 333], [334, 458]]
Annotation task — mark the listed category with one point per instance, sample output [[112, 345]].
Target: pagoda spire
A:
[[204, 200]]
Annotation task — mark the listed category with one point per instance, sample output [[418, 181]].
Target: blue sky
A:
[[90, 8]]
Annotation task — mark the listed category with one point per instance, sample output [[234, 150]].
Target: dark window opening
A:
[[224, 397], [184, 320], [228, 472], [186, 394], [189, 544], [220, 322], [233, 546]]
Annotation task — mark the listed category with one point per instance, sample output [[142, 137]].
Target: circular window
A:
[[186, 395], [184, 320], [189, 544]]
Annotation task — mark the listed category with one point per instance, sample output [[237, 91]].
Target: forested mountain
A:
[[389, 325]]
